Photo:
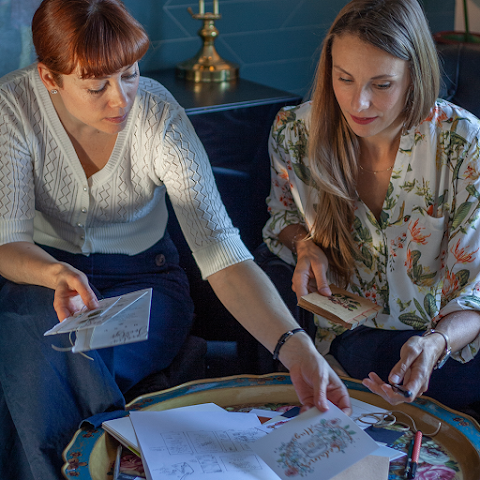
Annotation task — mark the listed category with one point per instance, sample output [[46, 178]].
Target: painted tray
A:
[[453, 454]]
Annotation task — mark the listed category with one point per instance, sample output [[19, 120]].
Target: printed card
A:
[[342, 307], [315, 445]]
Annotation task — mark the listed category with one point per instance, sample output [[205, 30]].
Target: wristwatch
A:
[[448, 350]]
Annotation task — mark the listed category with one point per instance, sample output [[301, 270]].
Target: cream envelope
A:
[[370, 467]]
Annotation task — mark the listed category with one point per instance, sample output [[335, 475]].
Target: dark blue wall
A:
[[275, 42]]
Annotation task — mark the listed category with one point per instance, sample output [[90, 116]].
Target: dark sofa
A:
[[461, 75]]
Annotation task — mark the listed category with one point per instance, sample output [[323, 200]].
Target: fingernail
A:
[[325, 291], [395, 379]]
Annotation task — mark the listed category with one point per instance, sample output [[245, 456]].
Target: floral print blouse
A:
[[421, 260]]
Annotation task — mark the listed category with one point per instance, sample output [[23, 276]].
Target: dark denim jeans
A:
[[45, 394]]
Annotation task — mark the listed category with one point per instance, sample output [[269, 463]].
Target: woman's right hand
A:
[[29, 264], [314, 380], [72, 292], [310, 273]]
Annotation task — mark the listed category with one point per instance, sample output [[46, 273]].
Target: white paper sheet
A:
[[199, 445], [122, 428], [108, 308], [315, 445], [118, 320]]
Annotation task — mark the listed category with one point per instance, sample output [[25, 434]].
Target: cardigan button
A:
[[160, 260]]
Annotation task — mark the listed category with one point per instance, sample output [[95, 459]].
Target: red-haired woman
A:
[[88, 151]]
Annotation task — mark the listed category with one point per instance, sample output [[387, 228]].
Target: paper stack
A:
[[205, 442]]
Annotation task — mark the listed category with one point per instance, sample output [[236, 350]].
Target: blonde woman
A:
[[376, 187]]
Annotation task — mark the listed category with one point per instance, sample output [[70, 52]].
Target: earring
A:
[[54, 91]]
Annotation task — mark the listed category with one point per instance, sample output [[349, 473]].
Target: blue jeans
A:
[[45, 394]]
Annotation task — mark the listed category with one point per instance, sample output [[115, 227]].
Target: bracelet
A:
[[283, 339], [448, 350]]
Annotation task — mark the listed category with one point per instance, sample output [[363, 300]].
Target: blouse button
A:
[[80, 225], [84, 210], [160, 260]]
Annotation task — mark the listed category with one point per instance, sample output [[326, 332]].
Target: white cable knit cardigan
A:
[[46, 198]]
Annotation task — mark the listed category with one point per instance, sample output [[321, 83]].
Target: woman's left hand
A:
[[418, 356]]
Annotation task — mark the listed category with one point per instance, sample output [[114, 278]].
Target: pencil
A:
[[400, 389], [416, 453]]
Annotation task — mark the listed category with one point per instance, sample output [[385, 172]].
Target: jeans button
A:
[[160, 260]]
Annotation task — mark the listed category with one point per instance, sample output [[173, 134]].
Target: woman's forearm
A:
[[291, 235], [461, 328], [27, 263], [252, 299]]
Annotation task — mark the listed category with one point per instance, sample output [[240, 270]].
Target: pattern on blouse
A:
[[420, 260]]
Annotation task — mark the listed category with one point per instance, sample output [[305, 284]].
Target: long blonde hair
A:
[[398, 27]]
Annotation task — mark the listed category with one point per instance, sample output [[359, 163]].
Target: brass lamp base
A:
[[202, 69], [207, 65]]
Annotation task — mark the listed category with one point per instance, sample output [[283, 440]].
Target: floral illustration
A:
[[435, 472], [344, 301], [318, 441]]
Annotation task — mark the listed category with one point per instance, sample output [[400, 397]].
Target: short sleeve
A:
[[188, 177], [287, 147], [17, 200]]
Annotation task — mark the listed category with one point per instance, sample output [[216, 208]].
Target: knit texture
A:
[[47, 198]]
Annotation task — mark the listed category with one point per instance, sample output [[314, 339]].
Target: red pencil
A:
[[416, 453]]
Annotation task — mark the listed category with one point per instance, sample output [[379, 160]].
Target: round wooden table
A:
[[452, 454]]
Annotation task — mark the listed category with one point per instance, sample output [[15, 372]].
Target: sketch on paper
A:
[[246, 462], [209, 464], [178, 471]]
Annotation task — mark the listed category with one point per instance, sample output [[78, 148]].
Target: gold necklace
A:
[[376, 171]]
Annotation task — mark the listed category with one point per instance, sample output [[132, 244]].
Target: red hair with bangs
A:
[[99, 37]]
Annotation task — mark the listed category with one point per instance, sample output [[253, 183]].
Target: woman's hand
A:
[[418, 356], [310, 273], [72, 292], [313, 378], [252, 299], [27, 263]]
